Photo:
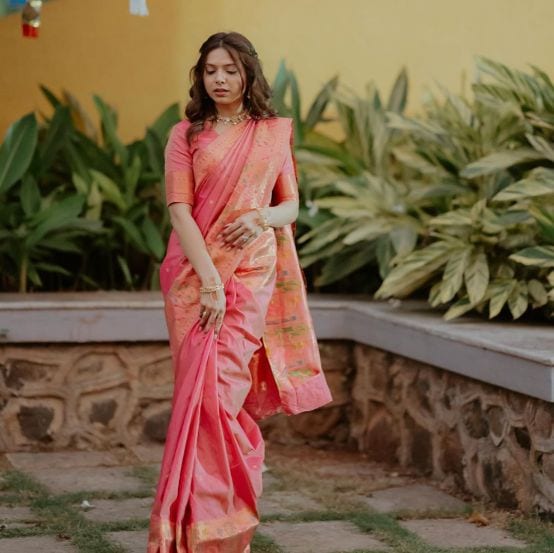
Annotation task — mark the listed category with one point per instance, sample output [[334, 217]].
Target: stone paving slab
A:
[[448, 532], [413, 497], [287, 503], [134, 541], [61, 459], [320, 537], [115, 510], [106, 479], [17, 517], [44, 544]]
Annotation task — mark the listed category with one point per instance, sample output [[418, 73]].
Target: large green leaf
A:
[[109, 188], [109, 127], [518, 300], [453, 274], [345, 263], [399, 93], [539, 256], [415, 269], [56, 134], [55, 217], [161, 126], [476, 277], [30, 196], [539, 182], [498, 161], [153, 238], [279, 88], [315, 113], [499, 292], [17, 150]]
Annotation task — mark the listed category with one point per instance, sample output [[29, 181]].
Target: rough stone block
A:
[[113, 510], [413, 497], [134, 541], [320, 537], [448, 532]]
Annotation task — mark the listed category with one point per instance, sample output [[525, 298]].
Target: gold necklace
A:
[[234, 120]]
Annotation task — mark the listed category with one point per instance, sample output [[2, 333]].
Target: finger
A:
[[203, 316], [230, 227], [210, 321], [241, 240], [219, 323], [234, 234]]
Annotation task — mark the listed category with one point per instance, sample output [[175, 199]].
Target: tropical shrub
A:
[[489, 164], [457, 202], [79, 209]]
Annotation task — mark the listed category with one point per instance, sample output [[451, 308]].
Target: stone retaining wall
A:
[[495, 443]]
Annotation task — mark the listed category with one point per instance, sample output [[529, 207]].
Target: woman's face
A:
[[223, 79]]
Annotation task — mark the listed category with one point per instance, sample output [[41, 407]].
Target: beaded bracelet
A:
[[213, 288], [263, 218]]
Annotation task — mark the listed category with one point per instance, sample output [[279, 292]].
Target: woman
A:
[[241, 335]]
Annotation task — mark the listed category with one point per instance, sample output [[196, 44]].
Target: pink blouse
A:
[[179, 167]]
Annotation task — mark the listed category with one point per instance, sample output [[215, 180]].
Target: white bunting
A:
[[138, 7]]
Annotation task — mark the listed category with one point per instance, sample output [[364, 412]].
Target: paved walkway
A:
[[314, 501]]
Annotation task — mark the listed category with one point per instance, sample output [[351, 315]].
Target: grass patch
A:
[[148, 475], [37, 530], [263, 544], [123, 525], [535, 531]]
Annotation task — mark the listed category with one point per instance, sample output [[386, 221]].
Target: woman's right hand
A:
[[212, 310]]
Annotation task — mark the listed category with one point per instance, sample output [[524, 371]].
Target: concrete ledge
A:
[[511, 355]]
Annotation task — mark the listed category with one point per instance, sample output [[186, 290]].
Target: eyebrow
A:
[[224, 65]]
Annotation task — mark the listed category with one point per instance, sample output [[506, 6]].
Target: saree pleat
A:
[[211, 471]]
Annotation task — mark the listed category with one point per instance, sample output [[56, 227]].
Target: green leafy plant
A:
[[80, 203], [485, 164]]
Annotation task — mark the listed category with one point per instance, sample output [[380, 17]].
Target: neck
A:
[[228, 110]]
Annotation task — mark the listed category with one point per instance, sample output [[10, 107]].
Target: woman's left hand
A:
[[242, 230]]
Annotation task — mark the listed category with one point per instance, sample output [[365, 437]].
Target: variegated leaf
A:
[[453, 275], [538, 256], [476, 277], [518, 300], [499, 293]]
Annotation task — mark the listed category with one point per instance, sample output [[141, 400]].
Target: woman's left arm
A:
[[247, 226]]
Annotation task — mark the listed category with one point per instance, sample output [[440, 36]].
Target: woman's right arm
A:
[[179, 188], [192, 243]]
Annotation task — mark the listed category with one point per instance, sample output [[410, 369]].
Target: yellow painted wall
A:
[[140, 65]]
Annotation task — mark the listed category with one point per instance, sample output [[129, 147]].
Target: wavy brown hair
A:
[[257, 92]]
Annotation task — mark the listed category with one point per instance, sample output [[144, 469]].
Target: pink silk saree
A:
[[265, 359]]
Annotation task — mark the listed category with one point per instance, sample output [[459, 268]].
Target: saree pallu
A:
[[265, 359]]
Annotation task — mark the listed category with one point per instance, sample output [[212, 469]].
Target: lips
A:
[[219, 90]]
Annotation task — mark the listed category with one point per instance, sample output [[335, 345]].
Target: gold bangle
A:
[[209, 289], [264, 222]]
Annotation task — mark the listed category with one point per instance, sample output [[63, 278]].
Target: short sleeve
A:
[[179, 176], [286, 186]]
